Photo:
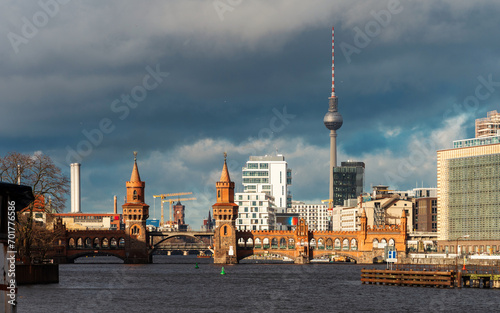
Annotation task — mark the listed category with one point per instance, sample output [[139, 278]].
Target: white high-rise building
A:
[[256, 211], [269, 174], [265, 181], [315, 215]]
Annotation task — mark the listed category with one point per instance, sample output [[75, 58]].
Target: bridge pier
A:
[[302, 260]]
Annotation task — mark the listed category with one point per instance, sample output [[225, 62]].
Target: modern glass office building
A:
[[347, 181], [469, 192]]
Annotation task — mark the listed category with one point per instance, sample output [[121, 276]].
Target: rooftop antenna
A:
[[333, 62]]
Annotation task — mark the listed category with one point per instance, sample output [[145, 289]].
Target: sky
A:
[[182, 82]]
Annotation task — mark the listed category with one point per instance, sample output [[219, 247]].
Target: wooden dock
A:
[[408, 278], [476, 277]]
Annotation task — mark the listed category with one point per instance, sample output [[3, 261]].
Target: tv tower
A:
[[333, 121]]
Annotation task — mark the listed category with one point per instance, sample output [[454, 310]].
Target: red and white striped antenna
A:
[[333, 62]]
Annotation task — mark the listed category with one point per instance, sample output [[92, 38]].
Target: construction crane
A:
[[166, 195], [170, 205], [330, 203]]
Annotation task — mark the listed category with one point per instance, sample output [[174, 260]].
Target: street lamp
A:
[[456, 258]]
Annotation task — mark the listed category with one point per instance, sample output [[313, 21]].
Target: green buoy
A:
[[196, 266], [222, 272]]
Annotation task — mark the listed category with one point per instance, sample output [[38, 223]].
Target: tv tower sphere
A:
[[333, 120]]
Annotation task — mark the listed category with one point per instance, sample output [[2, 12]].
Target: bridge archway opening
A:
[[336, 256], [102, 257], [271, 257]]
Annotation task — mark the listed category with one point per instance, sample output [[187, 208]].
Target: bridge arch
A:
[[282, 253], [339, 253], [178, 235], [75, 256]]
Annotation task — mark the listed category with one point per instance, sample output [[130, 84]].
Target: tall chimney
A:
[[116, 205], [75, 188]]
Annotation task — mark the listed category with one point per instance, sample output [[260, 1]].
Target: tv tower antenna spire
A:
[[333, 120], [333, 62]]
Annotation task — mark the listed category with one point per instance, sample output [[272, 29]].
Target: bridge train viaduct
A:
[[301, 245], [135, 244]]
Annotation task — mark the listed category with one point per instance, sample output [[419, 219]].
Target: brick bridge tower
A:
[[225, 214], [135, 213]]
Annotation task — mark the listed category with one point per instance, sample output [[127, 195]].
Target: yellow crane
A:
[[330, 201], [166, 195], [170, 205]]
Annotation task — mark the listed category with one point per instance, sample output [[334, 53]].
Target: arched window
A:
[[218, 193], [136, 231], [225, 230], [105, 243], [257, 243], [321, 244], [121, 243], [265, 243], [291, 243], [96, 243], [250, 243], [79, 243], [71, 243], [282, 243], [313, 244], [375, 243], [241, 243], [345, 244], [113, 243], [337, 244], [329, 244], [354, 244], [391, 242], [88, 243]]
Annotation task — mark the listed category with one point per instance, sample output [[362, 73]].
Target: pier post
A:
[[475, 283], [496, 282]]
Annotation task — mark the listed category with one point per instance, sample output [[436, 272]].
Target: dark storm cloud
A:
[[228, 77]]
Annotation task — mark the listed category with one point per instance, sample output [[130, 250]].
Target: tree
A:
[[49, 186], [40, 173]]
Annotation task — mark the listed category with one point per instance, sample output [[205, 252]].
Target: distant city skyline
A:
[[182, 82]]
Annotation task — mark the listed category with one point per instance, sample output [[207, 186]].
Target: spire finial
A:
[[135, 156], [333, 63], [225, 156]]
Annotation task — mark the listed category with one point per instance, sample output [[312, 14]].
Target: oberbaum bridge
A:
[[135, 244]]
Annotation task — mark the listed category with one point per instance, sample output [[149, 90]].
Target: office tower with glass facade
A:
[[469, 191], [348, 181]]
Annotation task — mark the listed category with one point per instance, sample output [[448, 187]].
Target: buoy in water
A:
[[222, 272], [196, 266]]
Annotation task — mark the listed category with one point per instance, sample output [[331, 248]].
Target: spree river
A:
[[174, 284]]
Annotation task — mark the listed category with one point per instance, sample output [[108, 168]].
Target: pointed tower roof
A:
[[135, 177], [224, 177]]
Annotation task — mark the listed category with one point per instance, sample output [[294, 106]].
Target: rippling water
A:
[[173, 284]]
